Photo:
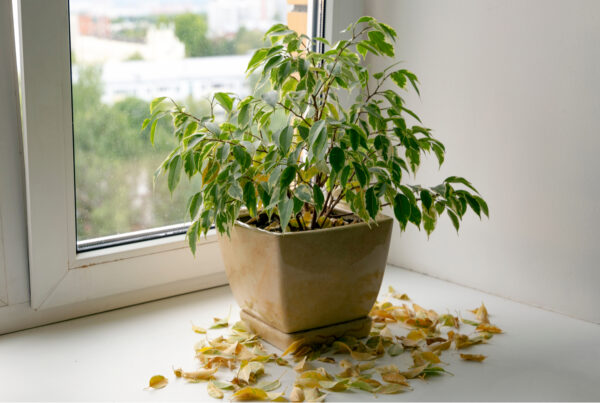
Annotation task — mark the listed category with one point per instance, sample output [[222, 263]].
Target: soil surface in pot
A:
[[301, 222]]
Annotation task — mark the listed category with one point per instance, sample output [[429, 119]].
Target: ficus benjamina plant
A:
[[320, 129]]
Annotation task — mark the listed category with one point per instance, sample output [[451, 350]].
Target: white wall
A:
[[513, 90]]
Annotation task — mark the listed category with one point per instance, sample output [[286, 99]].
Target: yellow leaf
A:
[[473, 357], [158, 382], [296, 395], [395, 377], [386, 333], [439, 347], [481, 314], [416, 335], [292, 348], [276, 397], [199, 375], [251, 371], [328, 360], [269, 386], [249, 394], [486, 327], [302, 365], [334, 386], [280, 361], [313, 395], [198, 329], [414, 371], [430, 356], [363, 356], [213, 391]]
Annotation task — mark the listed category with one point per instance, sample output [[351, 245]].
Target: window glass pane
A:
[[127, 52]]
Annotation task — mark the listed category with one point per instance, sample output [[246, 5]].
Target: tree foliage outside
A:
[[192, 30], [114, 163], [294, 150]]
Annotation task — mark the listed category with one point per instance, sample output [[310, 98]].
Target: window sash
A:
[[59, 275]]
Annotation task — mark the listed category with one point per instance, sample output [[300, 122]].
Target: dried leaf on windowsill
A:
[[158, 382], [473, 357]]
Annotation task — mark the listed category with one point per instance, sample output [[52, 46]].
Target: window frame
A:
[[59, 276]]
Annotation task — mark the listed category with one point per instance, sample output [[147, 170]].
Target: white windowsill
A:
[[111, 356]]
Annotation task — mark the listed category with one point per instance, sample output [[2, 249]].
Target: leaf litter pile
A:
[[236, 365]]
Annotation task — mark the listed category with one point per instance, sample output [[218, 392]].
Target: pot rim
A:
[[381, 218]]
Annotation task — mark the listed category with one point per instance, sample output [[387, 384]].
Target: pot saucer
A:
[[322, 335]]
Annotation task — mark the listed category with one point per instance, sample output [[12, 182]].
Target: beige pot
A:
[[297, 281]]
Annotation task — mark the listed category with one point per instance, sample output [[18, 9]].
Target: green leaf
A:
[[426, 199], [213, 128], [263, 192], [155, 102], [222, 152], [315, 130], [152, 130], [318, 197], [192, 236], [271, 98], [483, 205], [194, 205], [285, 139], [429, 223], [235, 191], [345, 175], [242, 157], [250, 198], [303, 193], [337, 159], [399, 78], [224, 100], [361, 174], [458, 179], [377, 39], [365, 18], [415, 217], [244, 115], [454, 219], [287, 176], [285, 208], [257, 57], [174, 173], [402, 209], [473, 203], [372, 202]]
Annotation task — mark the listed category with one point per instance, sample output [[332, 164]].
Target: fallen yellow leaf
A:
[[199, 375], [158, 382], [473, 357], [486, 327], [296, 395], [213, 391], [292, 348], [198, 329], [248, 393], [481, 314]]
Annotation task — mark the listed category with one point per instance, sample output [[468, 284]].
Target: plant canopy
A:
[[320, 129]]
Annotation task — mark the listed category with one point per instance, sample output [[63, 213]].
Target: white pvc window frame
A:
[[58, 274]]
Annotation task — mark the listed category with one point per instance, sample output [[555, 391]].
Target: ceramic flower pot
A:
[[313, 285]]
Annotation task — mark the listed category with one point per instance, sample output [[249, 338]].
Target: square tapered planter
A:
[[315, 285]]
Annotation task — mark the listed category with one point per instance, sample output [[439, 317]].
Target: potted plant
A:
[[295, 176]]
